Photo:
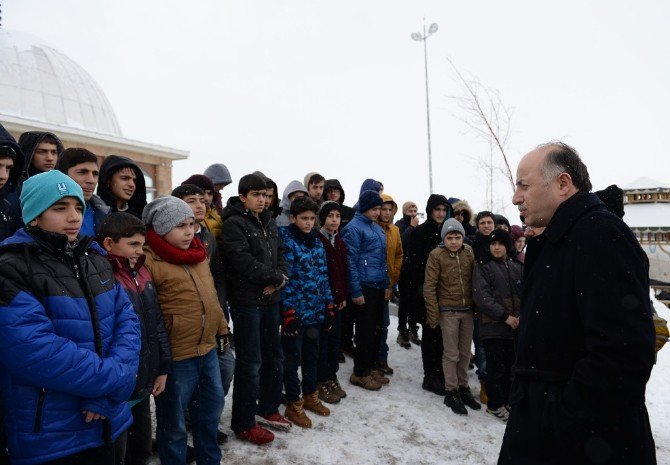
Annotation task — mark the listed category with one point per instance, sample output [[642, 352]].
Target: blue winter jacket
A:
[[366, 249], [69, 342], [308, 289]]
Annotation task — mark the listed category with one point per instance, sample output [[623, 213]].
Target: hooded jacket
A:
[[29, 142], [111, 165], [368, 185], [347, 213], [270, 184], [394, 253], [96, 211], [10, 209], [284, 218], [468, 215], [69, 341], [253, 254]]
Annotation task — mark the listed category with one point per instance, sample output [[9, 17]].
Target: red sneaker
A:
[[274, 420], [256, 435]]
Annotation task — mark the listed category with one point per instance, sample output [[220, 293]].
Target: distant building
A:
[[647, 213], [41, 89]]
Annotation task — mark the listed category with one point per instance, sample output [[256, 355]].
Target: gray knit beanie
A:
[[166, 212], [218, 173], [452, 225]]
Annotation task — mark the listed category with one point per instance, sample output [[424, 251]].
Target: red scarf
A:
[[195, 253]]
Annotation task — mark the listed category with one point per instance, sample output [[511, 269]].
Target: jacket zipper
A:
[[38, 413]]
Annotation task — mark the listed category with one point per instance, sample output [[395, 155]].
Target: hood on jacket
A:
[[612, 197], [111, 165], [437, 199], [500, 219], [388, 199], [308, 176], [293, 186], [15, 173], [333, 184], [270, 184], [29, 142], [371, 185], [464, 207]]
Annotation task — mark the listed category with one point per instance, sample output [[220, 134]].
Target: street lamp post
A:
[[422, 38]]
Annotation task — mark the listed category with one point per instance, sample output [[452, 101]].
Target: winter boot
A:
[[403, 339], [337, 389], [383, 366], [312, 402], [256, 435], [366, 382], [433, 384], [296, 413], [414, 336], [326, 394], [379, 377], [483, 398], [274, 420], [466, 397], [453, 401], [221, 438], [500, 413], [349, 351]]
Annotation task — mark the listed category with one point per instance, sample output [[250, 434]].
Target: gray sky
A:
[[293, 86]]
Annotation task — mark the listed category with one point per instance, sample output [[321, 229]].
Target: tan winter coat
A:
[[394, 251], [190, 306], [448, 281]]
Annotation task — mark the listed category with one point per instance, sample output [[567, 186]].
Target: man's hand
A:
[[512, 321], [90, 416], [414, 222], [358, 300], [342, 304], [269, 289], [388, 293], [159, 385]]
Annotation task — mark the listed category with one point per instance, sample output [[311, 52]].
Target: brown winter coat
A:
[[448, 281], [190, 306], [213, 223], [394, 251]]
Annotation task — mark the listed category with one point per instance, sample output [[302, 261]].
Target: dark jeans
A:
[[480, 353], [347, 332], [384, 332], [431, 352], [227, 367], [103, 455], [406, 318], [301, 351], [194, 383], [259, 364], [134, 445], [368, 329], [500, 356], [329, 350]]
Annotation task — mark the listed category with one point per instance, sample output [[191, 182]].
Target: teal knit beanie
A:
[[43, 190]]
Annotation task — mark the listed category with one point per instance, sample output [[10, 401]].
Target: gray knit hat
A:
[[452, 225], [218, 173], [166, 212]]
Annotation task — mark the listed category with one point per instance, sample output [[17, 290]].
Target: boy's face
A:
[[334, 194], [123, 184], [6, 165], [332, 222], [181, 235], [453, 241], [254, 201], [304, 221], [269, 196], [127, 247], [386, 213], [412, 211], [63, 217], [198, 206], [520, 243], [458, 215], [209, 197], [294, 195], [315, 190], [86, 175], [373, 213], [498, 250], [486, 225], [439, 214], [45, 156]]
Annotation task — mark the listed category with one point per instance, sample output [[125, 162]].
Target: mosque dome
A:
[[39, 83]]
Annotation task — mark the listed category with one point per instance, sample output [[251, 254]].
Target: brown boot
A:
[[366, 382], [296, 414], [384, 367], [379, 377], [337, 389], [484, 399], [312, 402], [326, 393]]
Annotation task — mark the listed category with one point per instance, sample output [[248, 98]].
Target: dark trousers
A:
[[500, 356], [431, 352], [134, 445], [329, 350], [368, 329], [301, 351], [480, 352], [347, 332], [103, 455], [258, 365], [406, 318]]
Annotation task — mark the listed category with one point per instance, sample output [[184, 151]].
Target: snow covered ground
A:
[[402, 423]]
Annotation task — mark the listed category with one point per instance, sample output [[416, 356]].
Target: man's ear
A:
[[564, 182], [243, 198]]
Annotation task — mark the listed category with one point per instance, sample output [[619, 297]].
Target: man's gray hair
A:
[[562, 158]]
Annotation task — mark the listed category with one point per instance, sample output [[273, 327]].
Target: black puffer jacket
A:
[[10, 210], [481, 246], [111, 165], [253, 253], [29, 142], [496, 290]]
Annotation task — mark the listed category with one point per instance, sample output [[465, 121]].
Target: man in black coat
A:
[[586, 337]]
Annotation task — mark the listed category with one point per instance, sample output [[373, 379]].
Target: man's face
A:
[[181, 235], [315, 190], [537, 200], [498, 250], [123, 184], [45, 156], [334, 194], [209, 197], [63, 217], [386, 213], [198, 206], [439, 214], [254, 201], [86, 175], [412, 211], [332, 222], [126, 247], [6, 165], [486, 225], [453, 241], [304, 221], [373, 213], [270, 196]]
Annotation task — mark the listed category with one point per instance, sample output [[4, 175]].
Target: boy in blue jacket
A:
[[69, 337]]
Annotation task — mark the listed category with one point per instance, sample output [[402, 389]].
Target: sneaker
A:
[[500, 413], [221, 438], [296, 413], [433, 385], [466, 397], [337, 389], [311, 402], [384, 367], [326, 393], [414, 336], [453, 400], [379, 377], [256, 435], [366, 382], [403, 339], [274, 420]]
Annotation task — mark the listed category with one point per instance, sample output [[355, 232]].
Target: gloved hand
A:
[[289, 324], [222, 343], [328, 317]]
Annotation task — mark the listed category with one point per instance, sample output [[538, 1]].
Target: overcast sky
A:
[[292, 86]]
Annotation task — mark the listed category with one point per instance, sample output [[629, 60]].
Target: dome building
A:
[[42, 89]]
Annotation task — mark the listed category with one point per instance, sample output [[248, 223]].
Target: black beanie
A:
[[502, 236], [326, 208], [186, 189]]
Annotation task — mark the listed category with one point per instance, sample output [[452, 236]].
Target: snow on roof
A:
[[654, 215], [646, 183]]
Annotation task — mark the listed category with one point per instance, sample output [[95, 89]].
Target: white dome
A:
[[37, 82]]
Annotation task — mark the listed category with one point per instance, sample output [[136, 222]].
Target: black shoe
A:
[[221, 438], [453, 400], [414, 336], [403, 339], [349, 351], [190, 454], [466, 397], [432, 385]]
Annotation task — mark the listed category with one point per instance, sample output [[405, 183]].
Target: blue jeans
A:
[[259, 364], [194, 383], [386, 321], [227, 367], [301, 351], [329, 350]]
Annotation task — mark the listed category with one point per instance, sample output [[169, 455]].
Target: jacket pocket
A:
[[38, 410]]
